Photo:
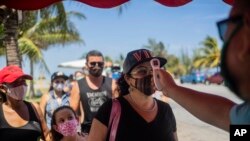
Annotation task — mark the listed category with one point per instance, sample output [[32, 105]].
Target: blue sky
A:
[[114, 34]]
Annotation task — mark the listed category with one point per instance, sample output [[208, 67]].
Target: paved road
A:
[[192, 129]]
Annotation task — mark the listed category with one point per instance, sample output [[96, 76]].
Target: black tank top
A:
[[29, 132], [93, 99]]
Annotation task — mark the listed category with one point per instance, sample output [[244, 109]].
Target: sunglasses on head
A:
[[93, 64]]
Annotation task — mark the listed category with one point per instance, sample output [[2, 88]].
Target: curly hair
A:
[[122, 85]]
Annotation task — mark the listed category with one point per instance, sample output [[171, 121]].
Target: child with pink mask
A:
[[64, 125]]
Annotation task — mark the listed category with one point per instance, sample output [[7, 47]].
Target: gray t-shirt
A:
[[240, 114]]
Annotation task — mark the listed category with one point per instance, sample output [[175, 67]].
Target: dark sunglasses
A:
[[142, 71], [57, 82], [223, 25], [93, 64]]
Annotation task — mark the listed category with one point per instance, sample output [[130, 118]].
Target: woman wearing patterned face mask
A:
[[56, 96], [19, 119], [142, 116]]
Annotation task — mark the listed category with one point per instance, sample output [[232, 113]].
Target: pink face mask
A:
[[68, 128]]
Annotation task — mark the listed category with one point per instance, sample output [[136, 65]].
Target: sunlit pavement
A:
[[189, 128]]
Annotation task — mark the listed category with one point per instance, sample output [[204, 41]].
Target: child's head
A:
[[64, 123]]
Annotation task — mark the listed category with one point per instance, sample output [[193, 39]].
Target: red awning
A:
[[176, 3], [38, 4], [173, 3]]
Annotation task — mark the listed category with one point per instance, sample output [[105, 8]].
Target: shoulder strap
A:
[[34, 116], [114, 118]]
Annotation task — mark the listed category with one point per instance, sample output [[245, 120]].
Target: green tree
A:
[[2, 49], [185, 62], [9, 20], [108, 59], [208, 56], [158, 49], [42, 35], [46, 27]]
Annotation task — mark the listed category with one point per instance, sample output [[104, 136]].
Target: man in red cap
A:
[[19, 119]]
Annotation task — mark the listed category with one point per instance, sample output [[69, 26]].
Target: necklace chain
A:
[[138, 107]]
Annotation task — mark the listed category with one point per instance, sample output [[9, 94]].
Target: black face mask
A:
[[96, 71], [144, 85]]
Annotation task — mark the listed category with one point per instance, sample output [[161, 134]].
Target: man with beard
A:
[[93, 90], [235, 66]]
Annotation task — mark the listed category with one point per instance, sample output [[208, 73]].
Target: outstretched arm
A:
[[207, 107]]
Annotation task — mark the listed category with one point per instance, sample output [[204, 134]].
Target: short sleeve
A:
[[104, 113], [240, 114]]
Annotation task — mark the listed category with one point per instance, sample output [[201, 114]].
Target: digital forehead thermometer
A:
[[155, 63]]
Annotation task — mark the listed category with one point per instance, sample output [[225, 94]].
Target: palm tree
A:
[[209, 55], [2, 50], [46, 27], [158, 49], [9, 20], [121, 60], [40, 37], [186, 62]]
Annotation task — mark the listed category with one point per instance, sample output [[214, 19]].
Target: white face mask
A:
[[17, 93], [58, 87]]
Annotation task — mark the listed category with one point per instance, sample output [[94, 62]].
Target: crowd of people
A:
[[80, 107]]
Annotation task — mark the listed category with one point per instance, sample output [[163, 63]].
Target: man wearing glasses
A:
[[93, 90], [235, 66]]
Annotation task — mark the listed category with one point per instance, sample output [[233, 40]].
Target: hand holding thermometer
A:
[[155, 63]]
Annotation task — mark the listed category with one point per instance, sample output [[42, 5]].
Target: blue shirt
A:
[[240, 114], [53, 104]]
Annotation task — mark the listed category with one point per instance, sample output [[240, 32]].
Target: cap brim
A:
[[29, 77], [63, 76], [163, 61], [13, 78]]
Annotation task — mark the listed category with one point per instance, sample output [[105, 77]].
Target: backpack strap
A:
[[114, 118]]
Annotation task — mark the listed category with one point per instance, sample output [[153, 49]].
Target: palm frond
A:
[[27, 47]]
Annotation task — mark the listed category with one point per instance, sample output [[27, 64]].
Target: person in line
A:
[[19, 119], [56, 96], [235, 65], [79, 75], [93, 90], [143, 118], [72, 80], [64, 125]]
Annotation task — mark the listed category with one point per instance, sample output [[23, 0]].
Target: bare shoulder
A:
[[45, 96], [75, 87], [35, 105]]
